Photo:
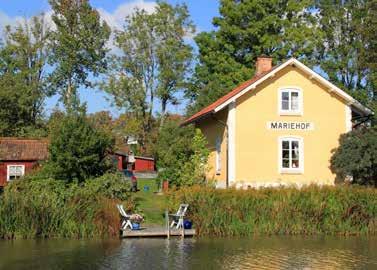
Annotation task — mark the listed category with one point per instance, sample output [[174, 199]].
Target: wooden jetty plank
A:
[[156, 232]]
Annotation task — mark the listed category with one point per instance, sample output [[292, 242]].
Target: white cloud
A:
[[116, 19], [7, 20], [48, 19], [17, 20]]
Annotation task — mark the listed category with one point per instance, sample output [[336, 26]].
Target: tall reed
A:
[[32, 208], [310, 210]]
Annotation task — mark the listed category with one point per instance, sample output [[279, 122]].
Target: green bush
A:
[[356, 156], [181, 154], [33, 207], [311, 210], [77, 150], [110, 185]]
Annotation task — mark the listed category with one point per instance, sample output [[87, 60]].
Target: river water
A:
[[288, 252]]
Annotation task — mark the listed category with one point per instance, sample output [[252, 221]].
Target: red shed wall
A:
[[144, 164], [29, 165]]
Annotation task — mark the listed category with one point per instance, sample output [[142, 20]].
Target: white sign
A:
[[276, 125]]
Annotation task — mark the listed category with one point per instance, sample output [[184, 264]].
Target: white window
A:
[[290, 101], [291, 155], [15, 172], [218, 155]]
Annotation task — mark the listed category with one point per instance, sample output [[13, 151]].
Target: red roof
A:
[[23, 149], [210, 108]]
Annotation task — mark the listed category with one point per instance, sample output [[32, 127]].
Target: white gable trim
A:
[[231, 123], [312, 75]]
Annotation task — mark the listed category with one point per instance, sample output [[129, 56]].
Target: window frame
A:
[[290, 89], [300, 169], [13, 165]]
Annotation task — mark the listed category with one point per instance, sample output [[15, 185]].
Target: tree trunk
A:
[[163, 112], [70, 96]]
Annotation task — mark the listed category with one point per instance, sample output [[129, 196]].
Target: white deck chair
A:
[[178, 217], [126, 222]]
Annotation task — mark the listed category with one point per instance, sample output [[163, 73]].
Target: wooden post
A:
[[167, 224], [182, 228], [165, 186]]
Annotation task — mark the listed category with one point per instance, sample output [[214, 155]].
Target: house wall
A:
[[213, 129], [257, 148], [144, 165], [140, 165], [29, 166]]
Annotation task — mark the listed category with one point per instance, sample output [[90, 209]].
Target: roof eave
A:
[[196, 119], [294, 62], [361, 108], [313, 75]]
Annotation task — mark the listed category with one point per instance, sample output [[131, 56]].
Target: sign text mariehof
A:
[[277, 125]]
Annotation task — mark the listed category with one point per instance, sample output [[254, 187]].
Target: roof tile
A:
[[23, 149]]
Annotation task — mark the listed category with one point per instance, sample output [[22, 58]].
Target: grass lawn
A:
[[151, 205]]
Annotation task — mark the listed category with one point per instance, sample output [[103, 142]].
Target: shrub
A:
[[34, 207], [110, 185], [77, 150], [194, 170], [356, 156], [311, 210], [181, 154]]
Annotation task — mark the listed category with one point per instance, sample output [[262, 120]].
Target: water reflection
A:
[[247, 253]]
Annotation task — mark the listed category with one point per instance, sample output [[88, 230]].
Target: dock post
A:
[[183, 229], [167, 224]]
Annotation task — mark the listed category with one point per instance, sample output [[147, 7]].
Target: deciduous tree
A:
[[339, 53], [369, 54], [23, 58], [153, 63], [78, 47], [356, 156], [77, 150], [181, 154], [244, 31]]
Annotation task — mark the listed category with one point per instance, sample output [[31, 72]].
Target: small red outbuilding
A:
[[135, 163], [20, 156]]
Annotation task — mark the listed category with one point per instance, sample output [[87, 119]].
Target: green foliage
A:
[[23, 57], [111, 185], [194, 170], [37, 207], [356, 156], [342, 44], [246, 30], [369, 54], [78, 47], [181, 154], [153, 63], [77, 150], [311, 210], [337, 37], [173, 149]]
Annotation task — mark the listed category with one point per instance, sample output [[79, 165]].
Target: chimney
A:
[[264, 64]]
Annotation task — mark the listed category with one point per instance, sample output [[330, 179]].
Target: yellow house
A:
[[277, 129]]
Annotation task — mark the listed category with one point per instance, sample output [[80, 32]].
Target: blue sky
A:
[[113, 11]]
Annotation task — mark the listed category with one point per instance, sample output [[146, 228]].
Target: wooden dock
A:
[[157, 232]]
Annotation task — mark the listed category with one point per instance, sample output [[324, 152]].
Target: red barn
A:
[[20, 156], [140, 164]]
